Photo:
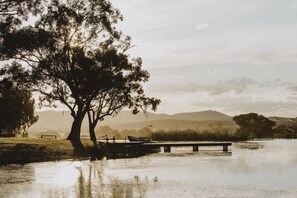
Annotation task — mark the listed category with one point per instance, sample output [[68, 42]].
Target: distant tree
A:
[[285, 131], [67, 59], [16, 109], [254, 125]]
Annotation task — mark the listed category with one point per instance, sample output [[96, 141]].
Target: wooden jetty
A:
[[167, 145]]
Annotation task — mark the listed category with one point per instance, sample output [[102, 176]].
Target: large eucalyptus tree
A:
[[73, 54]]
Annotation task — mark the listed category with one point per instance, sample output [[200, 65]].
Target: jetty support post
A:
[[195, 148], [167, 149], [225, 148]]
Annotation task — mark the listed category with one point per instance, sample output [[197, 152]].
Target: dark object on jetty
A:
[[138, 139]]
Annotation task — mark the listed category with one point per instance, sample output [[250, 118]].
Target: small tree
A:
[[121, 86], [16, 109], [254, 125]]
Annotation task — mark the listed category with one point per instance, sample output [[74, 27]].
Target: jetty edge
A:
[[138, 148]]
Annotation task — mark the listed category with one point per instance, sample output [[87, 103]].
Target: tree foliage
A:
[[254, 125], [16, 109], [14, 12], [20, 8]]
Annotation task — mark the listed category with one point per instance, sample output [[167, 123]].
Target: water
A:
[[256, 169]]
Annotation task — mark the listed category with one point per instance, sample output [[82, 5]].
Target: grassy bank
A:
[[25, 150]]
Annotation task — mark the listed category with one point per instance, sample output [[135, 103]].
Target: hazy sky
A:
[[233, 56]]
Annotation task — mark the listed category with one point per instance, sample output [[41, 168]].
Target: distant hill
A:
[[202, 116], [61, 121], [53, 120], [284, 121], [180, 125]]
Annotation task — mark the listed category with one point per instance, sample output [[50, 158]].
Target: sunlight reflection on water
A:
[[255, 169], [63, 174]]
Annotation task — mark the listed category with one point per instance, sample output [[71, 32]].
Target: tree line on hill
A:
[[251, 126], [73, 55]]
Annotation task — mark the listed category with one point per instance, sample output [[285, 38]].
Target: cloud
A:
[[277, 82], [141, 1], [202, 26], [235, 85], [293, 89], [244, 104], [215, 70], [293, 4]]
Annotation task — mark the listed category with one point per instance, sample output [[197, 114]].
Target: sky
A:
[[232, 56]]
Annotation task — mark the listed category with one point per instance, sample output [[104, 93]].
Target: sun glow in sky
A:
[[233, 56]]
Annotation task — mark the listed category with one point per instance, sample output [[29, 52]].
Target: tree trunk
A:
[[92, 125], [92, 132], [75, 129], [78, 149]]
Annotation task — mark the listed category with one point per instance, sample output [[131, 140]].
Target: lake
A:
[[254, 169]]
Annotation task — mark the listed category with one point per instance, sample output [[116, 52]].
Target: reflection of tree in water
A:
[[89, 180], [91, 183], [128, 188]]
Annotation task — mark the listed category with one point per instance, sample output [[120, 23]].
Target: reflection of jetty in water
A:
[[140, 148], [249, 145]]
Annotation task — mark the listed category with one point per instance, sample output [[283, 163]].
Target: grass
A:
[[25, 150]]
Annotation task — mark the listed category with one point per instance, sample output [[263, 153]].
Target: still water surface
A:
[[254, 169]]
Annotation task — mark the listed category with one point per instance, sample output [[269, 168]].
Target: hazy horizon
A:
[[157, 112]]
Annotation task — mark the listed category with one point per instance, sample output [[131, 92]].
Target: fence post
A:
[[167, 149], [225, 148], [195, 148]]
